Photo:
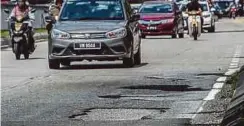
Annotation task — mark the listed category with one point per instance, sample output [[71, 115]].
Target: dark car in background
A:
[[224, 6], [95, 30], [161, 18]]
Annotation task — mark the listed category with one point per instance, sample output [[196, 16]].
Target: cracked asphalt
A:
[[168, 87]]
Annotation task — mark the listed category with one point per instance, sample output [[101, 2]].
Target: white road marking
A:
[[218, 85], [221, 79], [200, 109], [230, 72], [211, 94], [233, 67]]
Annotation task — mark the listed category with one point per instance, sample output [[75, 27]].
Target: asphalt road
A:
[[167, 89]]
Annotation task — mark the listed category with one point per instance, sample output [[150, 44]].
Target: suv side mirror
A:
[[6, 11], [136, 17], [135, 11]]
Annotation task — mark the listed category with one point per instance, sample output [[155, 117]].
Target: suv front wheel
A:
[[53, 64], [138, 56], [129, 62]]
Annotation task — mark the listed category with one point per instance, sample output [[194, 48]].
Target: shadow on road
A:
[[229, 31], [36, 58], [157, 37], [99, 66], [165, 87]]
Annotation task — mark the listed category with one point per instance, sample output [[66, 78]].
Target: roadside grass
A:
[[5, 33]]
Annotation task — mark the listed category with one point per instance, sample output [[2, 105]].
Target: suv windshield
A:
[[223, 4], [156, 8], [93, 10], [204, 7]]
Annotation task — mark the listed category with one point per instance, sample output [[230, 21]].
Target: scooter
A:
[[19, 37], [233, 12], [194, 24]]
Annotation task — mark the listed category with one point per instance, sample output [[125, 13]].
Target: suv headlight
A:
[[60, 34], [117, 33]]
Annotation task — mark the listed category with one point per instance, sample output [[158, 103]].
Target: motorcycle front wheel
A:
[[195, 32], [17, 50]]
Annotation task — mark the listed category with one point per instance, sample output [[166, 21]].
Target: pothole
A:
[[165, 87], [116, 114], [161, 77], [210, 74], [149, 97]]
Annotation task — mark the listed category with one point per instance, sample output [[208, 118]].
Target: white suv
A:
[[208, 17]]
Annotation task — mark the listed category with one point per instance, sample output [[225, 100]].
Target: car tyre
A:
[[181, 35], [211, 29], [54, 64], [143, 36], [129, 62], [174, 35], [138, 56]]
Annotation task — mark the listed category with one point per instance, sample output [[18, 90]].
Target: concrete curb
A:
[[39, 37], [235, 111]]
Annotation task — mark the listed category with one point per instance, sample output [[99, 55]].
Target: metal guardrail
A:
[[39, 15]]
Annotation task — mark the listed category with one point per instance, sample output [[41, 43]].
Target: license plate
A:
[[80, 46], [151, 28]]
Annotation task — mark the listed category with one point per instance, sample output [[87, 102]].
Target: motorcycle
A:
[[233, 11], [194, 24], [19, 35]]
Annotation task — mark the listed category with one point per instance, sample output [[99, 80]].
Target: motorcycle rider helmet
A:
[[22, 4]]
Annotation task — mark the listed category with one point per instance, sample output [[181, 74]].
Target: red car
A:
[[161, 18]]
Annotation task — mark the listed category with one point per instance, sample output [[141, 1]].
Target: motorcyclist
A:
[[54, 12], [21, 9], [195, 6]]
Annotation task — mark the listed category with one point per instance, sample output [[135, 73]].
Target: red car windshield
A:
[[156, 8]]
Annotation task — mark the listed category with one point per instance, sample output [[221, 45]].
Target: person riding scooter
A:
[[22, 9], [54, 12], [195, 6], [55, 9]]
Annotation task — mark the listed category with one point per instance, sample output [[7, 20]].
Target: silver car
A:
[[94, 30]]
